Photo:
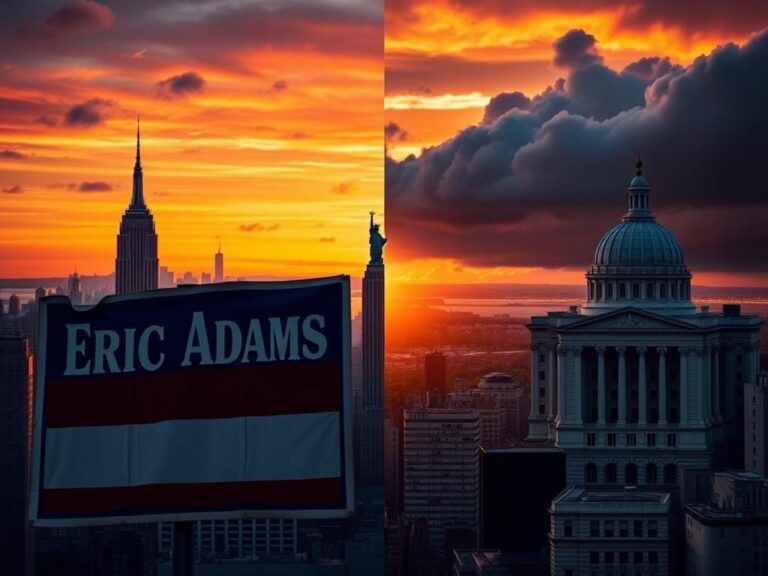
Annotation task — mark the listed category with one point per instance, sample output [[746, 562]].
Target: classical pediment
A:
[[634, 319]]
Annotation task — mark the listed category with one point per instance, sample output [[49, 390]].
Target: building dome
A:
[[638, 243], [638, 262]]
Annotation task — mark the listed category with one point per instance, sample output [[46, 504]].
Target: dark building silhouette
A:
[[136, 263], [15, 436], [372, 424], [218, 273], [434, 378]]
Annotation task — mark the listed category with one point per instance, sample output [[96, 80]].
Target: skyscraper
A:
[[15, 434], [372, 421], [74, 289], [218, 274], [434, 378], [136, 263]]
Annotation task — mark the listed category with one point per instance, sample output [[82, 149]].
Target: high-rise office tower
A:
[[74, 289], [136, 263], [434, 378], [218, 259], [15, 437], [441, 472], [372, 421]]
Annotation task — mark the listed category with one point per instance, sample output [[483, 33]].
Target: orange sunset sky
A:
[[261, 128], [446, 59]]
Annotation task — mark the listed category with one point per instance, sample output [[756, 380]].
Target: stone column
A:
[[642, 399], [534, 381], [578, 416], [716, 382], [683, 386], [600, 385], [706, 378], [701, 389], [622, 386], [662, 385], [550, 382], [561, 370]]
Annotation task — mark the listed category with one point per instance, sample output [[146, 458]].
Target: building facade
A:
[[136, 263], [638, 383], [441, 472], [730, 534], [435, 379], [756, 425], [605, 533], [218, 266]]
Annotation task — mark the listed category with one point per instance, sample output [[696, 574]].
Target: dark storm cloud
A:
[[393, 132], [74, 16], [503, 103], [181, 85], [539, 186], [94, 187], [89, 113], [576, 49]]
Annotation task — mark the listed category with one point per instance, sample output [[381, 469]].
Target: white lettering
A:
[[280, 339], [314, 336], [222, 327], [144, 360], [254, 342], [197, 342], [107, 342], [74, 348]]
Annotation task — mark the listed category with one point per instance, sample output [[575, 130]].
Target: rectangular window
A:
[[623, 529], [653, 557], [672, 440], [650, 440], [542, 375], [611, 438], [632, 439], [653, 529], [542, 392], [638, 528], [594, 528], [594, 557], [608, 529], [638, 557], [591, 439], [609, 557], [623, 557]]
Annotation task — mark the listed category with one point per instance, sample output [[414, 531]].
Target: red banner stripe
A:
[[179, 498], [214, 392]]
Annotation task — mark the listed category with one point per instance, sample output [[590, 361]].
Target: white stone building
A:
[[638, 383], [610, 533], [730, 535]]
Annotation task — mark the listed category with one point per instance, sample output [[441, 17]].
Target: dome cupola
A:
[[639, 262]]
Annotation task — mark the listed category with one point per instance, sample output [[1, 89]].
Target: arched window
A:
[[590, 473], [650, 474], [610, 473], [670, 474], [630, 475]]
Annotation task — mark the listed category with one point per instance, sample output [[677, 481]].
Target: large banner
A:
[[219, 401]]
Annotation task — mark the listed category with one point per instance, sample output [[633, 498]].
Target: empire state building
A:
[[136, 262]]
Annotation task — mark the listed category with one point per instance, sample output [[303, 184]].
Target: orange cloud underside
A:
[[241, 151]]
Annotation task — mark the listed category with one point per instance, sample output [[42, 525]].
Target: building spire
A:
[[137, 198], [639, 195]]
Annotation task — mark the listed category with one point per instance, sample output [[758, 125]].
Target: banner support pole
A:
[[183, 549]]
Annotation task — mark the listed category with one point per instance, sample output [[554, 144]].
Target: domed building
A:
[[635, 387], [638, 379]]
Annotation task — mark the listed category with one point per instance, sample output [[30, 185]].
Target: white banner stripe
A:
[[263, 448]]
